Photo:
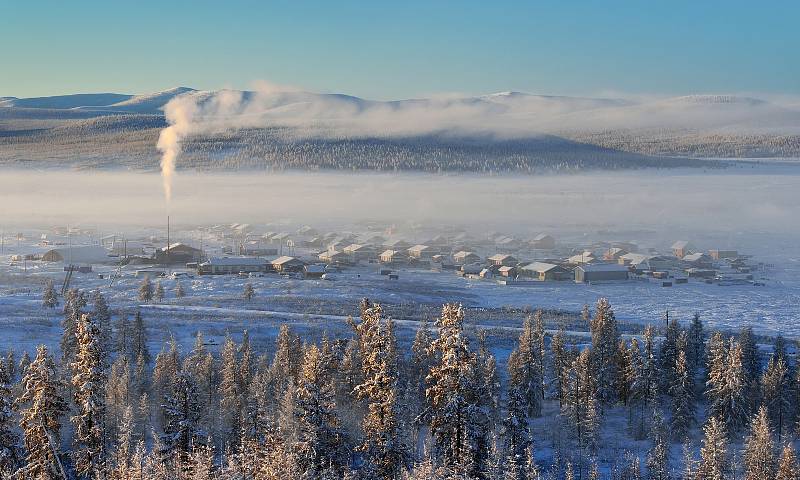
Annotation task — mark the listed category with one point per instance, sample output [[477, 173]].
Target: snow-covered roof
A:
[[235, 261], [81, 254], [539, 267], [391, 253], [680, 244], [285, 259], [636, 258], [316, 268], [177, 245], [505, 269], [499, 257], [541, 236], [603, 267], [418, 248], [693, 257]]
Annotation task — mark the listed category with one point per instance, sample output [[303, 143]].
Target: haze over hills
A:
[[505, 131]]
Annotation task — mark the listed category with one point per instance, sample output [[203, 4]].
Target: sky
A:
[[391, 50]]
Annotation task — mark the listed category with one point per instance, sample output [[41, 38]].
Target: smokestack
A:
[[168, 239]]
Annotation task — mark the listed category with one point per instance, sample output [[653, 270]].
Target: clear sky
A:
[[401, 49]]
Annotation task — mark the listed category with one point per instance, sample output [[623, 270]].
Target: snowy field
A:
[[753, 209]]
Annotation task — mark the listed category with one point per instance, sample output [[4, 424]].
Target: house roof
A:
[[235, 261], [464, 253], [680, 244], [603, 267], [82, 254], [178, 245], [316, 268], [418, 248], [539, 267], [693, 257], [505, 269], [500, 257], [541, 236], [636, 258], [286, 259], [390, 252]]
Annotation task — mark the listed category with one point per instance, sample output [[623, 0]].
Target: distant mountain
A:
[[67, 101]]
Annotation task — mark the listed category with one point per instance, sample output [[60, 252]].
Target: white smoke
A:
[[504, 115]]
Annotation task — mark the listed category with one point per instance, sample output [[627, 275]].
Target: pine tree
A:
[[123, 467], [118, 393], [88, 383], [605, 339], [286, 362], [230, 402], [73, 309], [49, 295], [165, 371], [726, 385], [41, 408], [457, 422], [320, 442], [580, 401], [384, 444], [696, 344], [138, 339], [145, 290], [682, 393], [751, 368], [158, 294], [101, 318], [421, 361], [776, 394], [249, 292], [658, 457], [714, 463], [787, 464], [179, 293], [9, 441], [515, 430], [182, 416], [560, 364], [759, 459], [122, 335], [667, 356], [526, 366]]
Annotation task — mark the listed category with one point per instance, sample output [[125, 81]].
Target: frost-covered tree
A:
[[787, 464], [714, 463], [526, 364], [41, 407], [165, 371], [122, 334], [726, 385], [74, 304], [458, 424], [384, 443], [146, 290], [49, 295], [9, 440], [667, 356], [230, 400], [759, 458], [320, 442], [248, 292], [421, 361], [179, 292], [138, 339], [559, 364], [88, 383], [118, 394], [682, 393], [658, 456], [158, 293], [286, 362], [181, 418], [580, 401], [514, 432], [776, 394], [605, 339], [751, 367]]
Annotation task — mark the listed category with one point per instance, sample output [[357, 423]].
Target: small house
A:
[[178, 253], [393, 256], [543, 241], [286, 264], [502, 260], [582, 258], [314, 271], [723, 254], [508, 272], [358, 252], [698, 260], [332, 257], [464, 257], [78, 254], [681, 248], [600, 272], [233, 265], [613, 254], [545, 271], [422, 252]]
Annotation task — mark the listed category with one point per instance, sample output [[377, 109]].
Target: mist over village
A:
[[417, 241]]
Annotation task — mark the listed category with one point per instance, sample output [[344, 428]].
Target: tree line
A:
[[360, 407]]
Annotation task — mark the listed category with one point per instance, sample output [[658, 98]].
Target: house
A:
[[314, 271], [421, 252], [698, 260], [332, 257], [509, 272], [613, 254], [307, 231], [681, 248], [464, 257], [178, 253], [486, 273], [357, 252], [393, 256], [506, 242], [581, 258], [502, 260], [545, 271], [229, 265], [78, 254], [600, 272], [543, 241], [723, 254], [639, 261], [287, 264], [471, 269]]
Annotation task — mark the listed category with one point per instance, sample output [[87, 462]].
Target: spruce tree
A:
[[49, 295], [759, 459], [751, 367], [9, 440], [682, 393], [41, 407], [145, 290], [158, 293], [658, 457], [230, 402], [726, 384], [88, 382], [181, 418], [787, 464], [696, 344], [138, 339], [605, 339], [526, 366], [714, 463], [179, 292], [248, 292], [776, 394]]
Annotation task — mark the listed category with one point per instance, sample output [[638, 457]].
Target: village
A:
[[305, 252]]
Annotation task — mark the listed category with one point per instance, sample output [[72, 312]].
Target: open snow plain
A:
[[752, 208]]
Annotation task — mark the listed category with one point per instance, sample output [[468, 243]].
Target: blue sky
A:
[[402, 49]]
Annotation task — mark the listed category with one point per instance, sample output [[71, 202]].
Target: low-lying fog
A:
[[747, 199]]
